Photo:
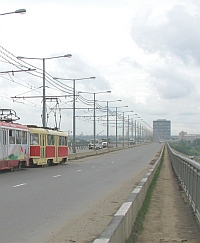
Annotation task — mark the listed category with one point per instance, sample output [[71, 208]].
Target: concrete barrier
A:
[[72, 156], [121, 225]]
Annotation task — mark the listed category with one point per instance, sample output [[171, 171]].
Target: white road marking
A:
[[93, 167], [56, 176], [23, 184], [79, 170]]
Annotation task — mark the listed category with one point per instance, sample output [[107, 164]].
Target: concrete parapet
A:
[[120, 227], [94, 152], [81, 155]]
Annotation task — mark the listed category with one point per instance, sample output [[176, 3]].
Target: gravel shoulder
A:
[[170, 217]]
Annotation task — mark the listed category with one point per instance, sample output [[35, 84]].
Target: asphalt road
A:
[[37, 201]]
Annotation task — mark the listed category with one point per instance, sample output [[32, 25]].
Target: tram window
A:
[[11, 136], [24, 137], [62, 141], [4, 137], [34, 138], [50, 139], [18, 137], [65, 141]]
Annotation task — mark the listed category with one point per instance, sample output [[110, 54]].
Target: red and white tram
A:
[[14, 146], [21, 146], [47, 146]]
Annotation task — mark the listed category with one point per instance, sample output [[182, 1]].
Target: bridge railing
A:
[[188, 173]]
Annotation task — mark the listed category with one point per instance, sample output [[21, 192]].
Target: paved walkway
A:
[[170, 217]]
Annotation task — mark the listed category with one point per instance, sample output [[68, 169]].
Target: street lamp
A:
[[44, 95], [21, 11], [94, 93], [131, 128], [137, 129], [123, 125], [116, 121], [108, 118], [74, 108]]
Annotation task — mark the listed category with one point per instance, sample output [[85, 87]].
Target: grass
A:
[[138, 227]]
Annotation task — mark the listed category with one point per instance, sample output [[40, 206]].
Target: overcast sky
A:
[[146, 52]]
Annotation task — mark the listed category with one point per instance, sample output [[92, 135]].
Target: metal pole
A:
[[135, 133], [94, 122], [44, 97], [74, 121], [132, 128], [142, 132], [107, 124], [128, 130], [123, 129], [116, 126]]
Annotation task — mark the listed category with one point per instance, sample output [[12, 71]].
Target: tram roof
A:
[[13, 125], [40, 130]]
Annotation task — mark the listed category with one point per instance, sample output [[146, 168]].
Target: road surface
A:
[[37, 202]]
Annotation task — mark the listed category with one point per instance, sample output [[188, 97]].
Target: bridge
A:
[[63, 203]]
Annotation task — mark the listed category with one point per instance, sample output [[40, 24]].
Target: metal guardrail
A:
[[188, 173]]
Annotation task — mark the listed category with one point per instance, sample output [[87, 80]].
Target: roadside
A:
[[86, 227], [170, 217]]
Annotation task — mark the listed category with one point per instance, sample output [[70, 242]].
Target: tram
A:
[[47, 146], [14, 142]]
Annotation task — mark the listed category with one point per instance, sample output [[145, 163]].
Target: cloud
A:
[[170, 40], [171, 83], [176, 32]]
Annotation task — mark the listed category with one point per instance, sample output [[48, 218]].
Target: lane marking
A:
[[79, 170], [23, 184], [56, 176]]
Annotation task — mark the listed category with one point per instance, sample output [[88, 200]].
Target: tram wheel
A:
[[15, 169]]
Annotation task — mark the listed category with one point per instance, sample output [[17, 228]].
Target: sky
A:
[[146, 52]]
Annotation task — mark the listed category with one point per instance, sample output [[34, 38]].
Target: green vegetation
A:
[[190, 148], [138, 227]]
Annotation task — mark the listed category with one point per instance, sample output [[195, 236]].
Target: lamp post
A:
[[108, 118], [131, 128], [128, 130], [21, 11], [74, 107], [116, 122], [44, 94], [94, 93], [138, 129], [123, 126]]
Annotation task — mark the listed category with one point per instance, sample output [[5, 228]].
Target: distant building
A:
[[188, 137], [161, 130]]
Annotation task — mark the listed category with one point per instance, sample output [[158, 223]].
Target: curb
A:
[[120, 227]]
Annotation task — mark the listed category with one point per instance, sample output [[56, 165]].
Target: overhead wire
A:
[[9, 58]]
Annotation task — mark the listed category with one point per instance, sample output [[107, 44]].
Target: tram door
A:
[[42, 148], [4, 147]]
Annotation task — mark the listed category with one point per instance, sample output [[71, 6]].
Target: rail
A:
[[188, 173]]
